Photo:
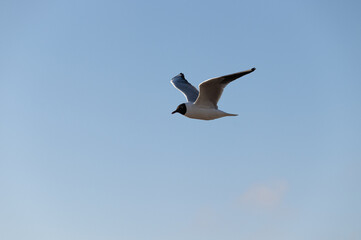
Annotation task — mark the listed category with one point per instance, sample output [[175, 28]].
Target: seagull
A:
[[203, 104]]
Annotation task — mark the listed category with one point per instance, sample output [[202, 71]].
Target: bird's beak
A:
[[174, 112]]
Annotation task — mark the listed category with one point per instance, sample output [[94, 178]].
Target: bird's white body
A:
[[203, 113]]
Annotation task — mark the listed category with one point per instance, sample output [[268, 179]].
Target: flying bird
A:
[[203, 104]]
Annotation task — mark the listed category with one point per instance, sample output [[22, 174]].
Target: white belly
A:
[[193, 111]]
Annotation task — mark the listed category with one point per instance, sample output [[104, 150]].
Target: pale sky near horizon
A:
[[89, 148]]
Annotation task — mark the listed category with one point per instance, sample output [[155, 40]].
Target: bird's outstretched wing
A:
[[210, 91], [189, 91]]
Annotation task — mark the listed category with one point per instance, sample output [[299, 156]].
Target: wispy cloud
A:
[[267, 195]]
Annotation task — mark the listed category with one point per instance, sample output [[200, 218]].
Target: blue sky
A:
[[89, 149]]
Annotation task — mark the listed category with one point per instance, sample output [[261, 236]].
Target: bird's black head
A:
[[182, 109]]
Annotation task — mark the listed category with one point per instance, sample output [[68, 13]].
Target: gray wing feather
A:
[[211, 90], [189, 91]]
